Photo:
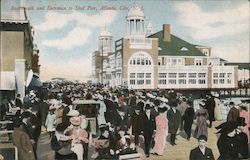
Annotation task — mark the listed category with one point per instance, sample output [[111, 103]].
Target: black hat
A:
[[226, 127], [104, 127], [162, 109], [231, 103], [140, 104], [241, 121]]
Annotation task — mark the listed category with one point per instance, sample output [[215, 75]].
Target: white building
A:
[[161, 60]]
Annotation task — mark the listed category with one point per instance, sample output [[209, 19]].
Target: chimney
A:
[[166, 33]]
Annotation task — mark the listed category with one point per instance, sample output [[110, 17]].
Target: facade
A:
[[143, 60], [17, 50]]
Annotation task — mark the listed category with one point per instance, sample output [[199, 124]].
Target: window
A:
[[222, 75], [162, 81], [198, 62], [162, 75], [201, 81], [182, 75], [142, 61], [132, 75], [229, 78], [148, 75], [132, 82], [140, 75], [192, 75], [172, 81], [222, 81], [215, 81], [182, 81], [149, 62], [140, 82], [192, 81], [148, 81], [138, 61], [215, 75], [201, 75], [172, 75]]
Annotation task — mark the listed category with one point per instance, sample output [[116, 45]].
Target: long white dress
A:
[[50, 122], [217, 110]]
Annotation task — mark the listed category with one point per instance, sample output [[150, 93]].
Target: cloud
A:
[[78, 69], [79, 34], [208, 25], [76, 37], [54, 20]]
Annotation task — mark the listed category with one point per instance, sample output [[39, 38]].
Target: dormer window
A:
[[184, 49]]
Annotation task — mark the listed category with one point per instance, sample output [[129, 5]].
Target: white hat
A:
[[150, 95], [73, 113]]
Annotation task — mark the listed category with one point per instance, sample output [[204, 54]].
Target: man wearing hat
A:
[[120, 119], [226, 142], [135, 122], [174, 120], [241, 139], [233, 113], [148, 128]]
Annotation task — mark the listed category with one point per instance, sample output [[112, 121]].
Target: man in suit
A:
[[148, 128], [233, 113], [174, 120], [201, 152]]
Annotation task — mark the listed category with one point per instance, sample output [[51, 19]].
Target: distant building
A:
[[18, 54], [143, 60]]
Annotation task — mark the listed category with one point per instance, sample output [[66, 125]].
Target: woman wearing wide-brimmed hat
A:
[[226, 141], [161, 131], [202, 121]]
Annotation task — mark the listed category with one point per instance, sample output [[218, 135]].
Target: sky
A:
[[66, 31]]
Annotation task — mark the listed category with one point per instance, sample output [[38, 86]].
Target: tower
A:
[[135, 22], [105, 42]]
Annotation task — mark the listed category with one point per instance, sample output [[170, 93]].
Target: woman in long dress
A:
[[161, 132], [217, 109], [202, 122]]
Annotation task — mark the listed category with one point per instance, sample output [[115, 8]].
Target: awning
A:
[[8, 81]]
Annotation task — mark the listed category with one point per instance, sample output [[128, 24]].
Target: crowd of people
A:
[[123, 118]]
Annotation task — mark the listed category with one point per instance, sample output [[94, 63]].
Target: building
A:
[[18, 54], [143, 60]]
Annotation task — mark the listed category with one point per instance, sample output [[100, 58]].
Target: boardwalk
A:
[[179, 152]]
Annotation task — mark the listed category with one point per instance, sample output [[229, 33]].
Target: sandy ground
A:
[[178, 152]]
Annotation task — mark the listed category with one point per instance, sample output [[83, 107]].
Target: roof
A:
[[176, 47], [135, 12], [240, 65]]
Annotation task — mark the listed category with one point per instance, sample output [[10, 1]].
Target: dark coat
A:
[[210, 105], [188, 117], [196, 154], [174, 120], [148, 124], [119, 122], [241, 144], [22, 141], [233, 114], [227, 148], [135, 122], [19, 103]]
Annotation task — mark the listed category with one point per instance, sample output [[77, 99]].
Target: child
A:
[[51, 122]]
